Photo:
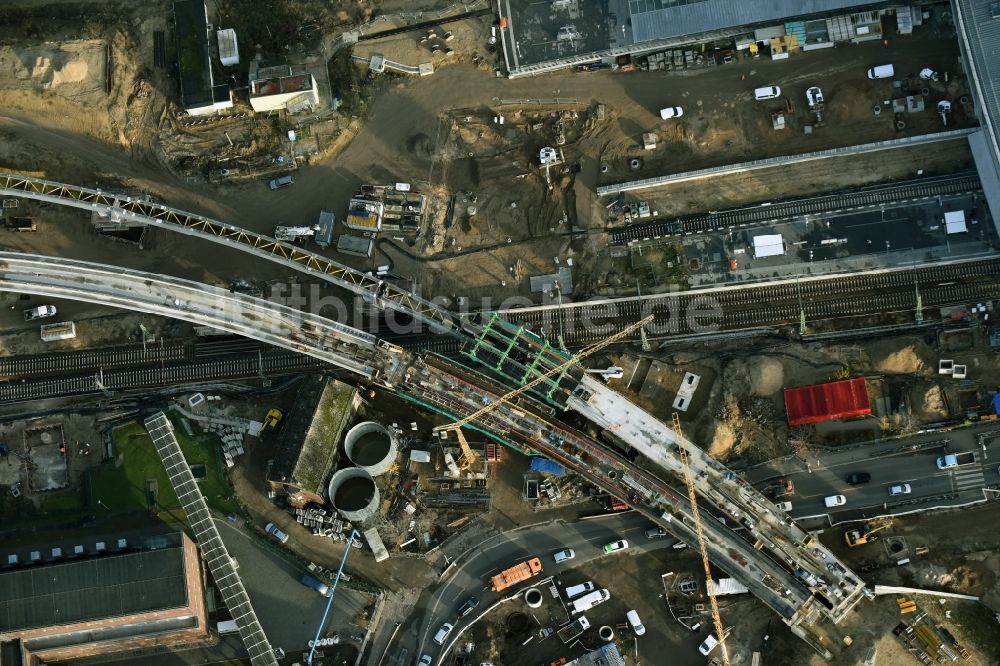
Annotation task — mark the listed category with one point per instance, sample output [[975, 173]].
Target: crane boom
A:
[[542, 377], [709, 585]]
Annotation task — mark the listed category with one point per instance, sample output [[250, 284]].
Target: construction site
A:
[[562, 333]]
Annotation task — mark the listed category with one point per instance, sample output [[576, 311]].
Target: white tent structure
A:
[[954, 222], [768, 246]]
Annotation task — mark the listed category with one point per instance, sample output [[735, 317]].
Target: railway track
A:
[[249, 366], [123, 356], [762, 306], [905, 192]]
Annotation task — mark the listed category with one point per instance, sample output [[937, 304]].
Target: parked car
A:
[[281, 181], [900, 489], [766, 92], [784, 506], [858, 478], [319, 586], [708, 644], [468, 606], [655, 532], [273, 530], [40, 312], [621, 544], [671, 112], [563, 555], [633, 620], [835, 500], [577, 590], [814, 96], [425, 660], [881, 72], [442, 634]]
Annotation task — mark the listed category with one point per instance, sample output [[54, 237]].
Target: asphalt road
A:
[[288, 611], [470, 576], [910, 460]]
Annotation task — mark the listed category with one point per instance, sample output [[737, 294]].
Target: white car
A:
[[784, 506], [835, 500], [273, 530], [633, 619], [577, 590], [766, 92], [563, 555], [442, 634], [708, 645], [900, 489], [621, 544], [671, 112]]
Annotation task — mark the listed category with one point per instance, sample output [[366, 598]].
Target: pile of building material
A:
[[232, 440], [322, 523]]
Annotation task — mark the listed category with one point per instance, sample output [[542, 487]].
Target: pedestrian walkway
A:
[[966, 478]]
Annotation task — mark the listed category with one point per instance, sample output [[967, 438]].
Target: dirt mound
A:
[[723, 440], [74, 70], [767, 376], [934, 402], [903, 361]]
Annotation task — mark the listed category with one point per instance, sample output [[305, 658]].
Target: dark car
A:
[[468, 606], [858, 478]]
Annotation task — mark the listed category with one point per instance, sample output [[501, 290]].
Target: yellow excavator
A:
[[866, 533]]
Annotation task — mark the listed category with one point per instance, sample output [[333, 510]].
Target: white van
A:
[[577, 590], [708, 645], [881, 72], [835, 500], [767, 92], [633, 619]]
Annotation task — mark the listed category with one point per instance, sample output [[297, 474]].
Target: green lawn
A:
[[123, 487]]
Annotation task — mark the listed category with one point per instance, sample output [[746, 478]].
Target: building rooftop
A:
[[312, 432], [280, 85], [827, 402], [538, 33], [195, 69], [108, 586]]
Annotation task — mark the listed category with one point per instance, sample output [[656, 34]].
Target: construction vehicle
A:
[[780, 488], [700, 531], [295, 233], [573, 360], [273, 418], [866, 533], [516, 574]]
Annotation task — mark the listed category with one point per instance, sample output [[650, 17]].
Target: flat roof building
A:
[[199, 94], [106, 604], [274, 88]]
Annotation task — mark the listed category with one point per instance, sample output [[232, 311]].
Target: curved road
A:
[[470, 576]]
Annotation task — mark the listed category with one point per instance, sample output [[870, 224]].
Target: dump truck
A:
[[574, 629], [780, 488], [516, 574]]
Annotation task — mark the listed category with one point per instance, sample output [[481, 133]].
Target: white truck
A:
[[294, 233], [950, 460], [588, 601]]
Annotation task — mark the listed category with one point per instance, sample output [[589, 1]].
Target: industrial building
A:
[[110, 602], [199, 94], [584, 31], [279, 88], [309, 438], [830, 401]]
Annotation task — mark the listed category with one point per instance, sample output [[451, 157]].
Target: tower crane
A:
[[709, 585], [573, 360]]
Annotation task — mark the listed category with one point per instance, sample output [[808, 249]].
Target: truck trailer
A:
[[516, 574]]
